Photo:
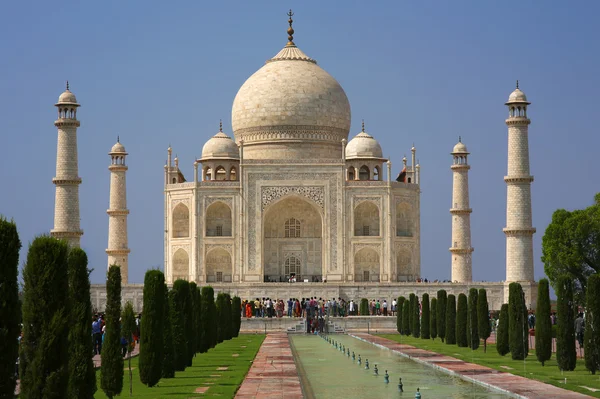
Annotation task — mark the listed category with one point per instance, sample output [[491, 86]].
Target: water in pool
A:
[[327, 372]]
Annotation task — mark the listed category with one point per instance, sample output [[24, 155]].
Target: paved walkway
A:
[[273, 373], [486, 376]]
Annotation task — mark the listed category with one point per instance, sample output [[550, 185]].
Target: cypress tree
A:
[[188, 322], [517, 323], [461, 321], [440, 313], [483, 317], [194, 318], [227, 319], [237, 315], [592, 324], [82, 376], [543, 325], [179, 296], [213, 326], [222, 319], [472, 324], [412, 299], [364, 307], [450, 319], [406, 318], [399, 306], [152, 339], [168, 363], [44, 347], [127, 330], [502, 331], [208, 298], [433, 319], [9, 311], [566, 355], [111, 372], [198, 328], [425, 320]]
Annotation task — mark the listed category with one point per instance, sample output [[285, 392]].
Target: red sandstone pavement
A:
[[521, 386], [273, 373]]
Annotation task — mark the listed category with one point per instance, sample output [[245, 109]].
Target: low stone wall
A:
[[351, 323], [497, 293]]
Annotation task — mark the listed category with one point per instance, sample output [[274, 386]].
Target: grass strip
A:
[[528, 368], [203, 372]]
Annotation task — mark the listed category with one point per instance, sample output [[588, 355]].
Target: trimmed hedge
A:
[[461, 321], [502, 331], [406, 318], [425, 319], [236, 316], [450, 320], [433, 319], [364, 307], [518, 332], [566, 354], [208, 340], [543, 324], [111, 372], [483, 317], [472, 325], [440, 313], [168, 364], [152, 327], [399, 306], [592, 325]]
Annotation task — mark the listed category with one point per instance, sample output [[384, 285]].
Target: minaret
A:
[[518, 231], [461, 216], [118, 251], [67, 180]]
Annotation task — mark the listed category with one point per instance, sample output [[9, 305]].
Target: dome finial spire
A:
[[221, 125], [363, 125], [290, 30], [118, 139], [517, 83], [459, 139], [67, 85]]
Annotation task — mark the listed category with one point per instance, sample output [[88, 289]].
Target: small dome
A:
[[117, 148], [517, 96], [67, 98], [363, 145], [459, 147], [220, 146]]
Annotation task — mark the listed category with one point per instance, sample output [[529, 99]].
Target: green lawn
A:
[[202, 373], [530, 368]]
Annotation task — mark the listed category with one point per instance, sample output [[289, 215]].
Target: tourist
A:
[[351, 307], [290, 307], [248, 310], [97, 335], [378, 308], [385, 308], [394, 304]]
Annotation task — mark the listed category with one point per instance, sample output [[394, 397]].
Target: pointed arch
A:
[[366, 219], [181, 221], [404, 220], [233, 173], [218, 266], [181, 265], [220, 173], [366, 265], [404, 269], [351, 173], [364, 173], [218, 220]]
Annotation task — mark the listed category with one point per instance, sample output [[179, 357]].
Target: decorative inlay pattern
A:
[[375, 247], [226, 247], [210, 200], [185, 247], [184, 201], [375, 200], [291, 132], [334, 187], [293, 161], [314, 193]]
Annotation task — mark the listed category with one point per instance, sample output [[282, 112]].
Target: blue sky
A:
[[425, 72]]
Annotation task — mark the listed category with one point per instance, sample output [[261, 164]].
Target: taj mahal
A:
[[293, 203]]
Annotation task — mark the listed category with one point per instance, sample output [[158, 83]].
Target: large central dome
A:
[[291, 108]]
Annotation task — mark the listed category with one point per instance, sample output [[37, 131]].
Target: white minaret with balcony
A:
[[67, 180], [118, 250], [462, 270], [519, 231]]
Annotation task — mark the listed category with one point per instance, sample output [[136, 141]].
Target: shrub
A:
[[364, 307], [221, 317], [10, 310], [168, 363], [111, 372], [566, 355], [193, 322], [179, 296], [440, 314], [44, 354], [592, 324], [412, 299], [206, 321], [450, 319], [82, 376], [236, 306], [152, 339], [198, 319], [425, 319], [517, 323], [472, 325], [502, 331], [433, 319], [399, 306], [406, 318], [543, 324], [483, 317], [461, 321]]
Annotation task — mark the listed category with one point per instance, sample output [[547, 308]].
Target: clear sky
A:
[[425, 72]]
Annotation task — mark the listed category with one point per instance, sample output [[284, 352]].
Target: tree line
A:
[[54, 344]]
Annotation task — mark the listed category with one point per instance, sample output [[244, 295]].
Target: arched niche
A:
[[220, 173], [366, 219], [218, 220], [351, 173], [181, 221], [404, 270], [366, 265], [364, 173], [218, 266], [181, 265], [404, 220]]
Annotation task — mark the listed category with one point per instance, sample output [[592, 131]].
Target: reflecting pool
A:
[[326, 372]]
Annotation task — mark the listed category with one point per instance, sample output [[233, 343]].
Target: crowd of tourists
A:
[[294, 307], [99, 331]]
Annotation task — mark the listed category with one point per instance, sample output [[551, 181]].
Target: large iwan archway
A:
[[292, 240], [218, 266], [366, 265], [181, 265]]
